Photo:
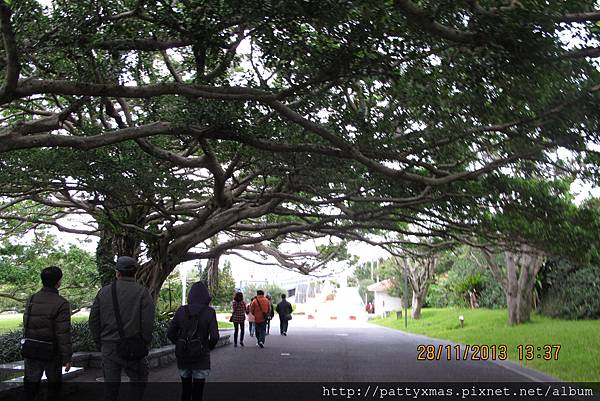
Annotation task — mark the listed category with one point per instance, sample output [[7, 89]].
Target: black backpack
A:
[[189, 345]]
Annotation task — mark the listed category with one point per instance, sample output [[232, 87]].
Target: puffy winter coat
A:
[[49, 320]]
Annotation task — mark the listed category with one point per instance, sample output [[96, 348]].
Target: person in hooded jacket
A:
[[195, 320]]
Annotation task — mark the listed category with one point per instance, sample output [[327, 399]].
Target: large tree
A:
[[517, 279], [184, 120], [419, 270]]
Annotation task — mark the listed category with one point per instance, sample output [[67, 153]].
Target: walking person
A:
[[121, 322], [195, 332], [251, 319], [271, 313], [260, 308], [238, 318], [284, 310], [46, 344]]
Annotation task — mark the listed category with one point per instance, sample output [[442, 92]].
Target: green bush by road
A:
[[579, 357]]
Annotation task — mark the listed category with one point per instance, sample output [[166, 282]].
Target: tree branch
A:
[[425, 22], [11, 78], [151, 44]]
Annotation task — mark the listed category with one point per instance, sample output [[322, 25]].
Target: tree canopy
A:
[[168, 124]]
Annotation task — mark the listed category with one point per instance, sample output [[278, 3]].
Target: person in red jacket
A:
[[261, 309]]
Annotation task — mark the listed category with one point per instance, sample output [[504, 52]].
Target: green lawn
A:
[[10, 322], [225, 325], [13, 322], [579, 357]]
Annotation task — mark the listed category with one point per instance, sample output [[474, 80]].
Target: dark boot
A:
[[186, 389], [198, 389]]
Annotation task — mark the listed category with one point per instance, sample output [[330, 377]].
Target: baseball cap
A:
[[126, 264]]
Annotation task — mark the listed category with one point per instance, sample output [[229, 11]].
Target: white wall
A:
[[385, 303]]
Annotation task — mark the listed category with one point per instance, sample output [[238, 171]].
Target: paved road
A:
[[351, 352]]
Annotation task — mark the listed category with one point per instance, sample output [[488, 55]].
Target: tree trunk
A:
[[212, 270], [153, 274], [522, 267], [126, 245], [417, 305], [419, 271], [105, 258], [418, 300]]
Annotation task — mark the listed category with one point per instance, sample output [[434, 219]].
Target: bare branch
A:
[[13, 297], [151, 44], [580, 17], [424, 21], [170, 67]]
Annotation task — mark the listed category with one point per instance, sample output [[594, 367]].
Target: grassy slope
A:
[[579, 358]]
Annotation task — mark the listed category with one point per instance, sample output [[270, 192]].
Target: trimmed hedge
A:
[[82, 340]]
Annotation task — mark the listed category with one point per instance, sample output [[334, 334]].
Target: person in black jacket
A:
[[284, 310], [271, 313], [195, 321], [47, 319]]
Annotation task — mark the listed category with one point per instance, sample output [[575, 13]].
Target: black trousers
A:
[[34, 369], [238, 327], [283, 324]]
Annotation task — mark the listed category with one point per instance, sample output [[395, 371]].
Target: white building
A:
[[383, 301]]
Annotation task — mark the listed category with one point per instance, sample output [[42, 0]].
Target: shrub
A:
[[452, 290], [492, 295], [82, 340], [9, 346], [437, 296], [463, 286], [573, 292]]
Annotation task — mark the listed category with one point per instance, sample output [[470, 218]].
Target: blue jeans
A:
[[252, 328], [196, 374], [261, 329]]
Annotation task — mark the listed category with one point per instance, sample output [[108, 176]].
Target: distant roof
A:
[[380, 286]]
